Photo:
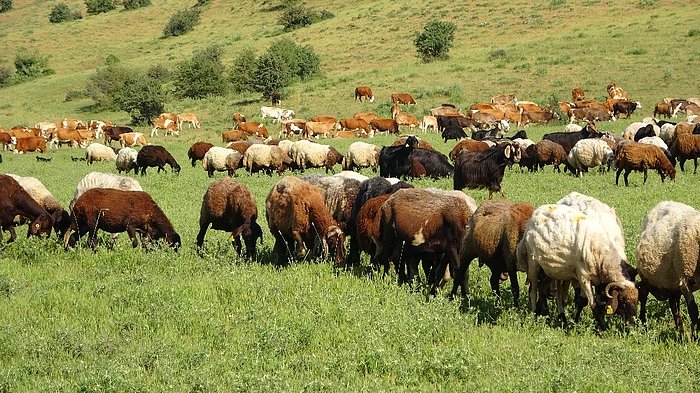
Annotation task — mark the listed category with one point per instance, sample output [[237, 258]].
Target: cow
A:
[[292, 127], [445, 111], [66, 135], [524, 106], [402, 98], [325, 119], [98, 126], [132, 139], [368, 116], [428, 122], [188, 117], [254, 128], [276, 114], [461, 121], [73, 124], [276, 98], [355, 124], [46, 126], [663, 108], [483, 120], [406, 119], [237, 118], [542, 116], [364, 91], [112, 133], [626, 107], [5, 140], [31, 143], [577, 94], [504, 99], [589, 115], [323, 128], [395, 110], [166, 124], [678, 105], [615, 91], [390, 126]]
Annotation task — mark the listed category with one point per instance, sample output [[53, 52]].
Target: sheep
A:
[[361, 155], [103, 180], [572, 127], [267, 158], [421, 143], [654, 140], [198, 150], [15, 201], [543, 153], [631, 131], [569, 245], [154, 155], [468, 145], [220, 159], [638, 156], [285, 145], [567, 140], [99, 152], [485, 169], [492, 235], [339, 194], [668, 132], [126, 160], [684, 147], [36, 189], [229, 206], [117, 211], [299, 221], [352, 175], [314, 155], [667, 258], [394, 160], [367, 229], [589, 153]]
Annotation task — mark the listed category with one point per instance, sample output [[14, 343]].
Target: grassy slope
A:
[[125, 320]]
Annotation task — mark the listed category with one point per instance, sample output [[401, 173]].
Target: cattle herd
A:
[[576, 241]]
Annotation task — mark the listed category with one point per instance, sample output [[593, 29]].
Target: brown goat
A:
[[117, 211], [197, 151], [299, 221], [640, 157], [469, 145], [492, 235], [229, 206], [686, 146], [15, 201]]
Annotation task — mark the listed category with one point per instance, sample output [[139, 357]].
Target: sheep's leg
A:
[[562, 287], [515, 287], [695, 161], [131, 231], [617, 176], [280, 248], [237, 245], [645, 176], [495, 281], [201, 234], [627, 173], [682, 164], [674, 303], [693, 312], [13, 234], [532, 272], [300, 246], [643, 296], [461, 278]]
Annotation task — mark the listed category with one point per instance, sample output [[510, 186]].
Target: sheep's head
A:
[[173, 239], [412, 141], [251, 233], [40, 225], [334, 244], [622, 300], [512, 152]]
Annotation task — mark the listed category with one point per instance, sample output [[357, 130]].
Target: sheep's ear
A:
[[508, 151]]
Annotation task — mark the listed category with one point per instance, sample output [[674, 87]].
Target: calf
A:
[[402, 98], [112, 133], [626, 107]]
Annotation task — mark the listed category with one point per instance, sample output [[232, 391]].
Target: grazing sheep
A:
[[285, 145], [339, 194], [467, 145], [589, 153], [220, 159], [485, 169], [198, 150], [429, 163], [266, 158], [229, 206], [99, 152], [154, 155], [367, 229], [567, 140], [315, 155], [117, 211], [631, 131], [543, 153], [668, 133], [569, 245], [686, 146], [572, 127], [352, 175], [640, 157], [103, 180], [492, 235], [36, 189], [361, 155], [300, 221], [667, 259], [15, 201], [126, 160], [654, 140]]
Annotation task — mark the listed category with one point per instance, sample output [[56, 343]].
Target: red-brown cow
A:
[[254, 128], [577, 94], [32, 143], [403, 98], [385, 125], [355, 124], [364, 91]]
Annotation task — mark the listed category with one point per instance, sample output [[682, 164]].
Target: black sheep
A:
[[568, 139], [485, 169], [153, 155], [453, 132], [646, 131], [434, 164], [394, 160]]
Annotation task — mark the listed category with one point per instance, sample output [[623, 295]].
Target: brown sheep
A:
[[117, 211], [469, 145], [339, 194], [229, 206], [45, 199], [492, 235], [686, 146], [154, 155], [299, 221], [640, 157], [368, 227], [197, 151], [15, 201], [543, 153]]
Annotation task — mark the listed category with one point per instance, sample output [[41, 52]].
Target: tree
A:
[[243, 70], [181, 22], [31, 65], [62, 13], [5, 6], [282, 63], [135, 4], [435, 40], [272, 75], [107, 83], [142, 97], [99, 6], [202, 75]]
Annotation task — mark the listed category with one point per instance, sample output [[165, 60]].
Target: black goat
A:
[[485, 169], [394, 160]]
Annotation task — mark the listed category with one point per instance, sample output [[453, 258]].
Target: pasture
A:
[[122, 319]]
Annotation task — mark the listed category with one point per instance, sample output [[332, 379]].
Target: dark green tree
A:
[[99, 6], [181, 22], [62, 13], [5, 6], [142, 97], [435, 41], [201, 76], [243, 70], [31, 65], [107, 83]]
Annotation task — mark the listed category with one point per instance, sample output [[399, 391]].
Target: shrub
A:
[[62, 13], [496, 54], [284, 62], [435, 40], [99, 6], [31, 65], [202, 75], [201, 3], [182, 22], [142, 97], [296, 16], [160, 72], [107, 83], [72, 95], [243, 70], [135, 4], [272, 74], [693, 32], [5, 6], [5, 75]]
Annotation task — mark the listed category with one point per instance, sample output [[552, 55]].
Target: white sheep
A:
[[285, 145], [589, 153], [104, 180], [315, 155], [667, 258], [567, 245], [632, 129], [221, 159], [352, 175], [667, 133], [573, 127], [266, 158], [126, 160], [654, 140], [99, 152], [361, 155]]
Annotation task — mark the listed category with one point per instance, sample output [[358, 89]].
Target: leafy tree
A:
[[202, 75], [296, 16], [135, 4], [5, 6], [62, 13], [272, 74], [243, 70], [283, 62], [107, 83], [181, 22], [142, 97], [31, 65], [435, 40], [99, 6]]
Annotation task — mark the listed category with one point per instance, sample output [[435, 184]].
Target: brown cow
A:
[[73, 124], [504, 99], [292, 127], [524, 106], [112, 133], [406, 119], [355, 124], [233, 136], [664, 109], [542, 116], [188, 117], [385, 125], [324, 119], [5, 140], [589, 115], [254, 128], [368, 117], [577, 94], [444, 111], [402, 98], [312, 128], [66, 135], [87, 135], [364, 91], [168, 125], [32, 143], [237, 118]]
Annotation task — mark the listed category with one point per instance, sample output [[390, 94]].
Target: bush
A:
[[272, 74], [99, 6], [107, 83], [182, 22], [201, 76], [296, 16], [435, 40], [160, 72], [142, 97], [62, 13], [135, 4], [31, 65], [243, 70], [201, 3], [5, 6], [5, 75], [284, 62], [73, 95]]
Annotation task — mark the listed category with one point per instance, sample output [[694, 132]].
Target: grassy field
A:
[[120, 319]]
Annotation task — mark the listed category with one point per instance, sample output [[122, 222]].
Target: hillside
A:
[[549, 48]]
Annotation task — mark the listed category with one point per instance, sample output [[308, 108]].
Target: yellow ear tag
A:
[[608, 310]]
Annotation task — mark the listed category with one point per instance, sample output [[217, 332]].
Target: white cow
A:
[[276, 114]]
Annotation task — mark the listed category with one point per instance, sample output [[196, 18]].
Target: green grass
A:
[[121, 319]]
